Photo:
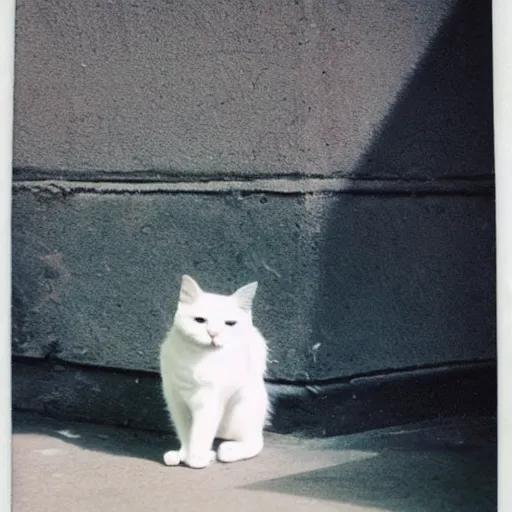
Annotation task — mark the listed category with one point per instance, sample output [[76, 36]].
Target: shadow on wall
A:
[[441, 125], [405, 279]]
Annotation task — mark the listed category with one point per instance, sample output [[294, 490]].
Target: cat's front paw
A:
[[173, 457], [199, 460]]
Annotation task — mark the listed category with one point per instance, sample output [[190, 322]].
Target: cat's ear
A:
[[245, 295], [189, 291]]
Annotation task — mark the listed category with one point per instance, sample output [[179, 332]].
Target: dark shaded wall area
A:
[[341, 153]]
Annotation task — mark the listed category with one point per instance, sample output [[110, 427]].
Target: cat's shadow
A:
[[115, 440]]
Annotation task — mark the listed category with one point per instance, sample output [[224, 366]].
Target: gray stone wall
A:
[[340, 153]]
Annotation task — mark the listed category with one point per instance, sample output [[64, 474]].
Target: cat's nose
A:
[[212, 333]]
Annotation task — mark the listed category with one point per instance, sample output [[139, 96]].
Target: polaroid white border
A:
[[502, 64], [7, 10]]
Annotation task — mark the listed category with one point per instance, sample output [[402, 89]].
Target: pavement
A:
[[447, 465]]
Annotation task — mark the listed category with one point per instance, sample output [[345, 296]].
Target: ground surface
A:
[[444, 466]]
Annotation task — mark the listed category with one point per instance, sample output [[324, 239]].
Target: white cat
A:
[[212, 364]]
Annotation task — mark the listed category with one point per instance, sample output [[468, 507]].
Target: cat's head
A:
[[210, 319]]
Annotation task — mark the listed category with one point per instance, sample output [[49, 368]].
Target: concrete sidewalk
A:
[[445, 466]]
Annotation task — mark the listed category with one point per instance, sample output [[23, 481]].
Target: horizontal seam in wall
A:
[[483, 187], [374, 376]]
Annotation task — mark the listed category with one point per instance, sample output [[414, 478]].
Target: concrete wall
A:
[[339, 152]]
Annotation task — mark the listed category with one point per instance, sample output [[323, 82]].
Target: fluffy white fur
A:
[[212, 364]]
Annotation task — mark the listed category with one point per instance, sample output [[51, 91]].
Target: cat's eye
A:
[[230, 322], [200, 319]]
